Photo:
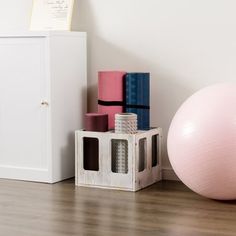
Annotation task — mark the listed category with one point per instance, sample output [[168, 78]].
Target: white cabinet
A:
[[42, 101]]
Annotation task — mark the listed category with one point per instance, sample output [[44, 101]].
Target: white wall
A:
[[185, 44], [14, 15]]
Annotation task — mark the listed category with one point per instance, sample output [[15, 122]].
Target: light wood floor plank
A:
[[167, 208]]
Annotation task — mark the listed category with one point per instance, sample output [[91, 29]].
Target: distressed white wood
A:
[[150, 175], [105, 178], [37, 140]]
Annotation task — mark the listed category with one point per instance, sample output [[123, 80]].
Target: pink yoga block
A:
[[202, 142], [110, 88]]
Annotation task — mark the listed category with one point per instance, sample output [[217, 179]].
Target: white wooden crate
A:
[[135, 179]]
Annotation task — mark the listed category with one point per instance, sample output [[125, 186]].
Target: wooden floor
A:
[[167, 208]]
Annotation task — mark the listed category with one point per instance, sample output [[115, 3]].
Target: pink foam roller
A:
[[110, 94]]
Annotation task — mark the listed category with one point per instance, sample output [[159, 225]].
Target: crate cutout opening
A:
[[155, 150], [142, 154], [119, 156], [91, 153]]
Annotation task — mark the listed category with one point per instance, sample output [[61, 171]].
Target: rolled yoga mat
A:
[[111, 94], [93, 122], [125, 123], [137, 97]]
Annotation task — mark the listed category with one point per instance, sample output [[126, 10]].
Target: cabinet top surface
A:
[[41, 34]]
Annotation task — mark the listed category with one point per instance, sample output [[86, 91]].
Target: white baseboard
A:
[[25, 173], [169, 174]]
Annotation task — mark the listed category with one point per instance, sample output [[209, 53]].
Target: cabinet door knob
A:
[[44, 103]]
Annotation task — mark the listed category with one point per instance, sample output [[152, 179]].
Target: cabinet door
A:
[[23, 119]]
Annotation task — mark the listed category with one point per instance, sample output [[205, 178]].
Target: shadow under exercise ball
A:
[[202, 142]]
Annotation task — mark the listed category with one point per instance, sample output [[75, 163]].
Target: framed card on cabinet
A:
[[51, 15]]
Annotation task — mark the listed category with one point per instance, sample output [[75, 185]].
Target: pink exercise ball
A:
[[202, 142]]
